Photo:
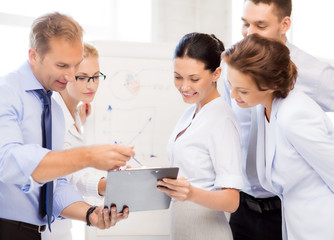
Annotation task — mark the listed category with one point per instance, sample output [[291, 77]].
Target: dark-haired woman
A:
[[295, 144], [205, 145]]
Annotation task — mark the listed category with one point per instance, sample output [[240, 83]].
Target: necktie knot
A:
[[44, 96]]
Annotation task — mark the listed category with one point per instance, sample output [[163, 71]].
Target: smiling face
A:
[[81, 90], [58, 66], [263, 19], [245, 91], [195, 83]]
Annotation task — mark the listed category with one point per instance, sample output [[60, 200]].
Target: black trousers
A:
[[247, 224], [11, 231]]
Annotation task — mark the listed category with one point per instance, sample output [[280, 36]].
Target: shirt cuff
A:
[[92, 184], [86, 182], [229, 181], [31, 185]]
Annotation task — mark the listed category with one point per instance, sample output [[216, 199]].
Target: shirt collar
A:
[[29, 81]]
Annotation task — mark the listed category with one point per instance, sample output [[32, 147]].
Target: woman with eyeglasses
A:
[[75, 101]]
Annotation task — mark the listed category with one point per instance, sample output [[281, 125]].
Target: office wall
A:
[[173, 18], [137, 105]]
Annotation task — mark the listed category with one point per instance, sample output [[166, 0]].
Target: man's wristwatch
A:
[[89, 212]]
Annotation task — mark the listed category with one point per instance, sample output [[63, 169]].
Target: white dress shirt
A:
[[208, 152]]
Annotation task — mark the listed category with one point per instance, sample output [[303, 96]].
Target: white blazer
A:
[[296, 162]]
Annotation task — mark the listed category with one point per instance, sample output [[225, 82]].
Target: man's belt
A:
[[261, 205], [27, 226]]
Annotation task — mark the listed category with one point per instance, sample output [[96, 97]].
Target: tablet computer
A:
[[137, 189]]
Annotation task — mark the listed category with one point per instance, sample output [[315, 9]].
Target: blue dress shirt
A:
[[21, 151]]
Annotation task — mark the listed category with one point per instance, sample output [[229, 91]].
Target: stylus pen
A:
[[137, 161]]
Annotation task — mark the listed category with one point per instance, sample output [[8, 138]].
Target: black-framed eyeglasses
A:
[[86, 79]]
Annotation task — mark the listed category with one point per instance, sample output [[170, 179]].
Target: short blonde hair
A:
[[53, 25], [90, 51]]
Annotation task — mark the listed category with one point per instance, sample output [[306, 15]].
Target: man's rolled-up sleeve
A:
[[64, 195]]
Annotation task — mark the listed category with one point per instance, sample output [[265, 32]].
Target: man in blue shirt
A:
[[259, 213], [56, 49]]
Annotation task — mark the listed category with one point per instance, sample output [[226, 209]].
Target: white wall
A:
[[174, 18], [171, 20]]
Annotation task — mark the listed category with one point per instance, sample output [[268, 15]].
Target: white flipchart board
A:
[[137, 105]]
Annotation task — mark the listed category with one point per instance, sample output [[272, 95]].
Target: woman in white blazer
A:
[[295, 144]]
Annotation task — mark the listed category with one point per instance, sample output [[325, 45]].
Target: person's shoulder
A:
[[221, 113], [222, 108], [304, 60], [297, 106], [297, 99], [9, 79], [11, 94], [10, 85], [13, 80]]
